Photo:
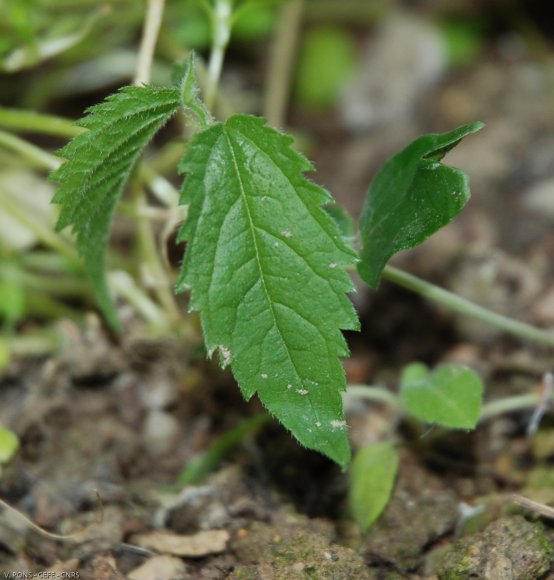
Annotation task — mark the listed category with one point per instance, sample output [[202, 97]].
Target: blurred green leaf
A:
[[450, 396], [12, 299], [254, 21], [373, 473], [463, 40], [202, 465], [51, 43], [192, 28], [9, 444], [326, 61]]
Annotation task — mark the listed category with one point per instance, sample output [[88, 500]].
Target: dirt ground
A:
[[119, 418]]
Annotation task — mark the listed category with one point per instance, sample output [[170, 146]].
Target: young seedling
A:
[[267, 256], [450, 396], [265, 262]]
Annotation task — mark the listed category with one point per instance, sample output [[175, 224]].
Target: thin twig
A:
[[281, 62], [152, 23], [539, 508]]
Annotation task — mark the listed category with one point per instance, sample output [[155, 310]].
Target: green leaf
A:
[[411, 197], [98, 165], [9, 444], [326, 61], [265, 264], [203, 464], [450, 396], [372, 479]]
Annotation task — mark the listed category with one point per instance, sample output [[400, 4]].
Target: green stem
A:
[[37, 302], [374, 394], [151, 261], [58, 285], [221, 24], [123, 285], [152, 23], [281, 62], [467, 308], [160, 186], [509, 405], [36, 156], [32, 122], [41, 231], [35, 344], [50, 262]]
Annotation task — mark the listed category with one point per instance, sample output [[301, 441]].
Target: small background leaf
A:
[[372, 479], [450, 396], [411, 197]]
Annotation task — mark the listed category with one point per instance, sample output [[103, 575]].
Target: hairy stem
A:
[[152, 23], [467, 308], [281, 62], [221, 25]]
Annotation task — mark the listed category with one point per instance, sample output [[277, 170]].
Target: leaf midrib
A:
[[259, 264]]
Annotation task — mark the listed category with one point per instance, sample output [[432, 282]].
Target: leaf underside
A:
[[411, 197], [99, 162], [265, 265]]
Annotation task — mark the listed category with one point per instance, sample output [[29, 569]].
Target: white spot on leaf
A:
[[225, 354], [302, 391], [264, 376], [336, 424], [286, 234], [332, 265]]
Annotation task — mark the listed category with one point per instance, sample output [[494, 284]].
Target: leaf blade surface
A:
[[265, 264], [372, 478], [98, 164], [450, 396]]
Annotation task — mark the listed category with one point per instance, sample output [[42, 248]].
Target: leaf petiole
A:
[[467, 308]]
